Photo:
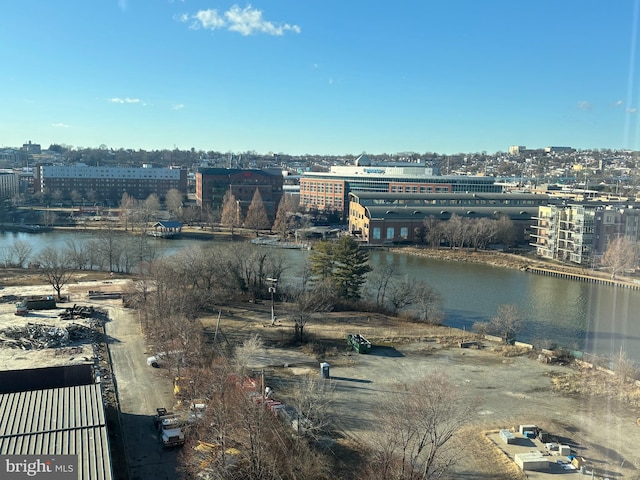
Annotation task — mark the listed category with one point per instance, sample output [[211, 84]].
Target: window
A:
[[376, 233], [404, 232], [390, 233]]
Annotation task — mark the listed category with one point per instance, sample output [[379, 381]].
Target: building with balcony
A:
[[580, 232]]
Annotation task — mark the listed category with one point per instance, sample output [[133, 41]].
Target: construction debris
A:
[[34, 336], [77, 312]]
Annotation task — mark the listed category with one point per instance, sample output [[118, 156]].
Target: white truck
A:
[[169, 427]]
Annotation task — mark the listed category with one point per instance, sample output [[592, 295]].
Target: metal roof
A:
[[58, 421]]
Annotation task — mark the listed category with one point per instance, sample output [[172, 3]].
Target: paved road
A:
[[141, 389]]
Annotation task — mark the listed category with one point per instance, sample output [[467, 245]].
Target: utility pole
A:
[[272, 291]]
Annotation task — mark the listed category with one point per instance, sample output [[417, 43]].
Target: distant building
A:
[[329, 191], [559, 150], [32, 148], [107, 184], [517, 149], [9, 156], [9, 184], [213, 183], [386, 218]]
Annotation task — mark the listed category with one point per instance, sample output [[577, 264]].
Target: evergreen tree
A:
[[257, 217], [321, 261], [351, 268], [342, 263]]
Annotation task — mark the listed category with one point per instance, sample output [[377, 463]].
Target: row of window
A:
[[390, 233], [416, 189]]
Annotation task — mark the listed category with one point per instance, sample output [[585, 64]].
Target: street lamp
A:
[[272, 291]]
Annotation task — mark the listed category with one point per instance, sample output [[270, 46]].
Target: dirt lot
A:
[[513, 390]]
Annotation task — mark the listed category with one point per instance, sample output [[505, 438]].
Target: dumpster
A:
[[324, 370], [359, 343]]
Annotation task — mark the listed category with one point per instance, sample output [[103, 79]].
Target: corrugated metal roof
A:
[[59, 421]]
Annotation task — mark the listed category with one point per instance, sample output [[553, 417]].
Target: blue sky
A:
[[320, 77]]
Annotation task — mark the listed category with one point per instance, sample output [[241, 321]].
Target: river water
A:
[[581, 316]]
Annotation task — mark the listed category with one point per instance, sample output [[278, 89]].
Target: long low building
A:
[[106, 184], [387, 218], [65, 420]]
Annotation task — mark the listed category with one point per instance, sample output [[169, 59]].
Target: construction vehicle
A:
[[169, 426]]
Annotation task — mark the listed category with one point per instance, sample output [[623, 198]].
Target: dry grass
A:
[[597, 383]]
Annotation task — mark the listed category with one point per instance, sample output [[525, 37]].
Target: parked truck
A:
[[45, 302], [169, 427]]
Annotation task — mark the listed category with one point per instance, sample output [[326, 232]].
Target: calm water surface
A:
[[581, 316]]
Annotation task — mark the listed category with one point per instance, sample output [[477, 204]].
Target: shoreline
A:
[[526, 264]]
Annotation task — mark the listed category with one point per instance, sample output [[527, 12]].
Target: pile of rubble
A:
[[77, 312], [9, 298], [34, 336]]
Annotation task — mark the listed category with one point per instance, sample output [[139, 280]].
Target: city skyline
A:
[[328, 78]]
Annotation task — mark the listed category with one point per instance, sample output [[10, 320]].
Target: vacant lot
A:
[[513, 390]]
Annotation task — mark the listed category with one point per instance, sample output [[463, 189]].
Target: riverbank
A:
[[527, 263]]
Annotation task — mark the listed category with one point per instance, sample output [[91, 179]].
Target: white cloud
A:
[[583, 105], [124, 100], [209, 19], [632, 110], [60, 125], [178, 106], [245, 21]]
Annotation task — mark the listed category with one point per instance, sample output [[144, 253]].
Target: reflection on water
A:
[[581, 316]]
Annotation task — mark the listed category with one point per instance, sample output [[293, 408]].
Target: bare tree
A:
[[428, 302], [231, 216], [54, 267], [77, 253], [309, 302], [20, 252], [249, 348], [380, 280], [620, 255], [418, 428], [284, 216], [127, 209], [312, 398], [507, 323], [257, 218], [506, 232], [174, 202], [401, 295]]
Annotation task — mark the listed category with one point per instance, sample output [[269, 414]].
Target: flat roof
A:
[[58, 421]]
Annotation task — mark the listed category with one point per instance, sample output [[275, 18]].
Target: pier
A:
[[581, 277]]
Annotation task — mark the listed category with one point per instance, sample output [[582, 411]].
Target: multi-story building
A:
[[614, 222], [213, 183], [329, 191], [9, 184], [32, 148], [107, 184], [580, 232], [389, 218]]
